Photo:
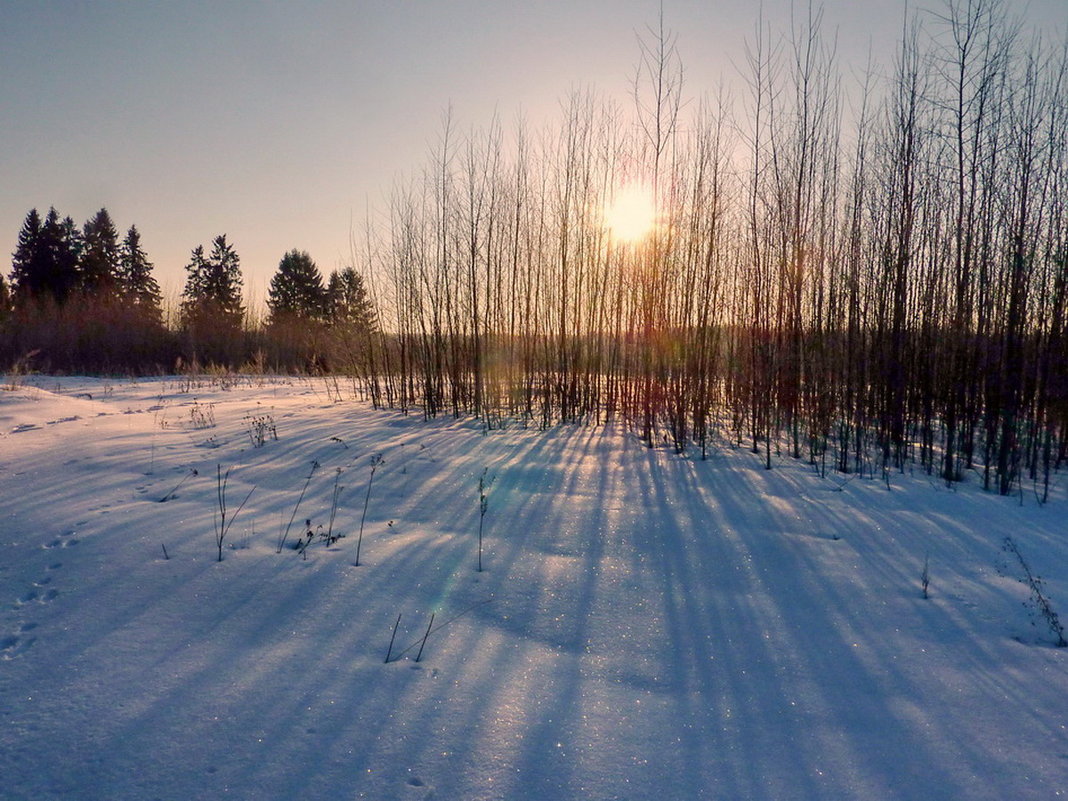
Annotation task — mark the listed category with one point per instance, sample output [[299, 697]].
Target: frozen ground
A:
[[647, 625]]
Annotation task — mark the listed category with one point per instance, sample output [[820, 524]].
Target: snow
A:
[[647, 626]]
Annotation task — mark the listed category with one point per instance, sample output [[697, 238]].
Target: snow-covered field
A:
[[646, 625]]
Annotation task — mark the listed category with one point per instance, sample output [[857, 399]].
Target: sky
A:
[[284, 125]]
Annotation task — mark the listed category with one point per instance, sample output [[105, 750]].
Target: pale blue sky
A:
[[279, 123]]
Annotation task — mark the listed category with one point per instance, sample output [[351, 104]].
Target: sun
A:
[[631, 215]]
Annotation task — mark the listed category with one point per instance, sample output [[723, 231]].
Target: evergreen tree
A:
[[24, 259], [54, 266], [44, 263], [349, 302], [296, 290], [68, 254], [136, 284], [224, 284], [212, 314], [98, 263], [72, 243], [195, 282], [213, 287]]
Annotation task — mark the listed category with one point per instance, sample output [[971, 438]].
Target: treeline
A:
[[81, 300], [867, 280]]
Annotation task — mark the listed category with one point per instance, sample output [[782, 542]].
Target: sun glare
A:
[[631, 214]]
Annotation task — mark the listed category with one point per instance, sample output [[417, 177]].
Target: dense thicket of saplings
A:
[[865, 279], [868, 279]]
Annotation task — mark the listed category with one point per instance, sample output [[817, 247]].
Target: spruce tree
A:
[[24, 259], [349, 302], [44, 261], [98, 264], [212, 314], [195, 281], [69, 254], [213, 287], [296, 290], [224, 279], [54, 267], [136, 284]]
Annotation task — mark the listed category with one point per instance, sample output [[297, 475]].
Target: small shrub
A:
[[19, 370], [260, 428], [222, 525], [285, 534], [202, 416], [1040, 604], [305, 539]]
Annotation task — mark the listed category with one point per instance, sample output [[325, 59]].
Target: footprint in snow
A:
[[416, 784], [13, 647], [58, 542], [33, 595]]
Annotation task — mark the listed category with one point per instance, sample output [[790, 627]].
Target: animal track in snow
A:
[[59, 542], [416, 784], [37, 592], [14, 646], [35, 596]]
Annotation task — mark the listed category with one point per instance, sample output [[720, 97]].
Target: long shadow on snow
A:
[[778, 706]]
